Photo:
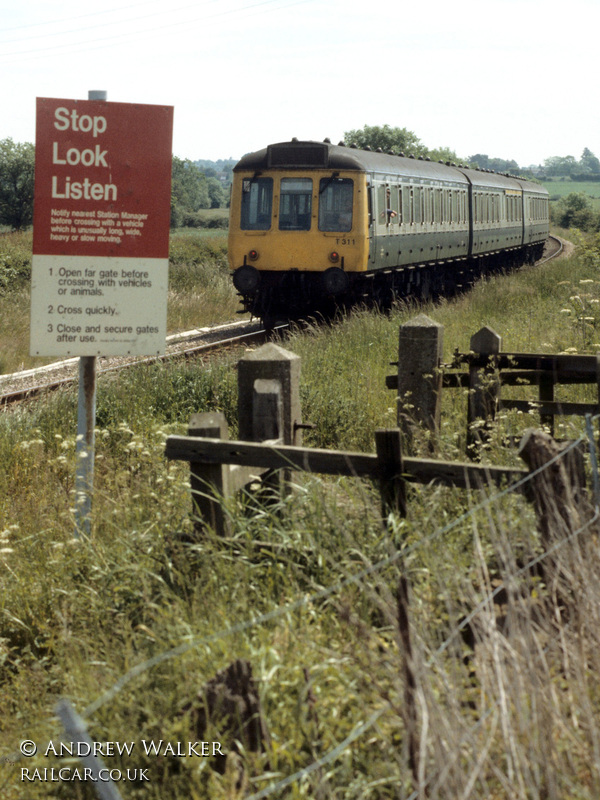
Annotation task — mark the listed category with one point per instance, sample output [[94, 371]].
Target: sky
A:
[[514, 79]]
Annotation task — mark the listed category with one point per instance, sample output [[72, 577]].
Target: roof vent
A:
[[327, 140], [342, 144]]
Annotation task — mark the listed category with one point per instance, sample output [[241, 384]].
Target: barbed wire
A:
[[289, 608]]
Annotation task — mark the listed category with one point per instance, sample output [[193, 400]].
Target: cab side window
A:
[[336, 196]]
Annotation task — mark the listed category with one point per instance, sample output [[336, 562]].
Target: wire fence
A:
[[358, 579]]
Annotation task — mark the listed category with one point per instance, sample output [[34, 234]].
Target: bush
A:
[[575, 211], [15, 260]]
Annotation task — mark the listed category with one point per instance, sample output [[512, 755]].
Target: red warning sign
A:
[[102, 179]]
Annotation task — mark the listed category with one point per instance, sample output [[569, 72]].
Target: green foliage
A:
[[589, 166], [394, 140], [189, 190], [444, 154], [133, 622], [200, 288], [495, 164], [575, 211], [15, 260], [559, 165], [17, 163], [150, 605], [397, 140], [192, 191], [216, 193]]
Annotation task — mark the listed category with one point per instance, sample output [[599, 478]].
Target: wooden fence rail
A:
[[388, 467], [269, 421], [421, 376]]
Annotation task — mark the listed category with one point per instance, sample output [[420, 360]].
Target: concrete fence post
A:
[[273, 364], [420, 351], [269, 402]]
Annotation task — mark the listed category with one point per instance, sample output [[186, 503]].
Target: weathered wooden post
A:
[[484, 389], [389, 460], [558, 491], [269, 401], [420, 350], [209, 482]]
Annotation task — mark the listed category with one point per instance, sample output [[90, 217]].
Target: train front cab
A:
[[297, 237]]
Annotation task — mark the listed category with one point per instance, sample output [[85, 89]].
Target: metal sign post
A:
[[86, 426]]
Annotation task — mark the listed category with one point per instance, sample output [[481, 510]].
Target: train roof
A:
[[324, 155]]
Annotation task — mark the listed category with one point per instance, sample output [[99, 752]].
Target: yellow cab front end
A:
[[297, 237]]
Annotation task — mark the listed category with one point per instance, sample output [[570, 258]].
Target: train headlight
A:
[[334, 257], [253, 255], [335, 281], [246, 279]]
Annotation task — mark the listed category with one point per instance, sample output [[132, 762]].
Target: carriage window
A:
[[295, 204], [257, 202], [335, 204]]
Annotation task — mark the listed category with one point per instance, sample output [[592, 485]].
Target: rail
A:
[[224, 340]]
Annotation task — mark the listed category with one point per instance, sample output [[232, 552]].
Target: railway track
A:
[[19, 387], [29, 384]]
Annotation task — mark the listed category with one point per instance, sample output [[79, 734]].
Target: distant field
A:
[[559, 189]]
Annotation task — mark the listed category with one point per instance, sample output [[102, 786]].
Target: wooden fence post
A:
[[389, 459], [409, 708], [420, 351], [209, 482], [559, 490], [484, 390]]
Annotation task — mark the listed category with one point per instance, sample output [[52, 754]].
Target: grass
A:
[[559, 189], [498, 716], [200, 290]]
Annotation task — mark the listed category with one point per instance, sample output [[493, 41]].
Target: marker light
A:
[[253, 255], [334, 257]]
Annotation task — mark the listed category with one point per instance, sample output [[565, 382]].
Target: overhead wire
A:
[[96, 43]]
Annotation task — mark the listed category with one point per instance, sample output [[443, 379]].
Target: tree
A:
[[216, 193], [17, 162], [189, 190], [395, 140], [444, 154], [560, 166], [496, 164], [589, 163]]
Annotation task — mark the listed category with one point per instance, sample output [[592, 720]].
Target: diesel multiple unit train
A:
[[314, 224]]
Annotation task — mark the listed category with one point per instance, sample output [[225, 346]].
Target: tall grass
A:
[[200, 290], [131, 623]]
